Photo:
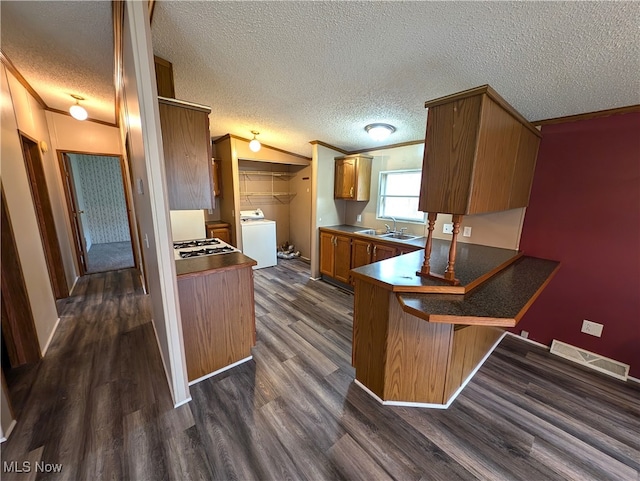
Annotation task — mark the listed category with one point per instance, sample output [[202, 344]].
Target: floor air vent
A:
[[589, 359]]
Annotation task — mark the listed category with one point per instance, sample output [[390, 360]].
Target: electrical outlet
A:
[[466, 232], [524, 334], [592, 328], [447, 229], [359, 218]]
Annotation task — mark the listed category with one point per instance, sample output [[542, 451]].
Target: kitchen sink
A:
[[388, 235], [400, 236], [377, 233]]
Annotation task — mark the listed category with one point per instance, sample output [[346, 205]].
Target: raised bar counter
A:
[[416, 341]]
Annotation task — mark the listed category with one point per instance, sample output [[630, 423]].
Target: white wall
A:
[[325, 210], [21, 210], [142, 122], [70, 134], [497, 229]]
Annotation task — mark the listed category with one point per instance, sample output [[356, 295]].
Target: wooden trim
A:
[[492, 94], [23, 81], [152, 6], [368, 149], [14, 71], [589, 115], [44, 214], [526, 307], [72, 208], [329, 146], [117, 8], [237, 137], [97, 121], [18, 326], [184, 104]]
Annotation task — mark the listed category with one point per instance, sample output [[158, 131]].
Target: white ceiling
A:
[[322, 70], [63, 48]]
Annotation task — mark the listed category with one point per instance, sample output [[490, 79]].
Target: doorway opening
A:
[[100, 211]]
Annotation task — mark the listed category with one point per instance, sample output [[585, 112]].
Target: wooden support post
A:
[[450, 273], [426, 268]]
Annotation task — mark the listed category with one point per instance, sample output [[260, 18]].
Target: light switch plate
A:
[[447, 229], [466, 232], [592, 328]]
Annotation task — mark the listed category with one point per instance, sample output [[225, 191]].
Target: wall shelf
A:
[[266, 173]]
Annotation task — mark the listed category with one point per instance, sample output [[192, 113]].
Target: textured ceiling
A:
[[301, 71], [63, 48]]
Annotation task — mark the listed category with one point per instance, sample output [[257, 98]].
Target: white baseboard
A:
[[48, 343], [189, 399], [9, 429], [633, 379], [530, 341], [431, 405], [226, 368]]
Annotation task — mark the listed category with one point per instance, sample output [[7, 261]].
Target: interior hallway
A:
[[101, 407]]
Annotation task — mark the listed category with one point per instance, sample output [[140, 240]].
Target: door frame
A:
[[44, 214], [72, 206]]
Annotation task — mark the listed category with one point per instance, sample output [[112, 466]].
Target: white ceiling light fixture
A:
[[379, 132], [77, 111], [255, 144]]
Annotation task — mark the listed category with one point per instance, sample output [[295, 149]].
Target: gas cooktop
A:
[[201, 247]]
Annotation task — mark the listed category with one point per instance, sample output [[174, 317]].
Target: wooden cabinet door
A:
[[405, 250], [342, 265], [383, 251], [222, 233], [185, 139], [327, 260], [345, 179], [360, 253]]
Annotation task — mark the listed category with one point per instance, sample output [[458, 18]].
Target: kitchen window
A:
[[399, 191]]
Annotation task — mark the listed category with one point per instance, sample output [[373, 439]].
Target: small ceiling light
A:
[[77, 111], [379, 132], [255, 145]]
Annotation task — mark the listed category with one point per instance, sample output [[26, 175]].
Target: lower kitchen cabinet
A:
[[220, 230], [360, 253], [382, 251], [335, 256]]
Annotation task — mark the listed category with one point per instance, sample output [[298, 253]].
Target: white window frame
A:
[[381, 197]]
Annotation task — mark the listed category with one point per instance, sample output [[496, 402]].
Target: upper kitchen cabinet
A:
[[164, 77], [353, 177], [479, 155], [186, 141]]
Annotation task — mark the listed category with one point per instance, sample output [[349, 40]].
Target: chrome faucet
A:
[[394, 224]]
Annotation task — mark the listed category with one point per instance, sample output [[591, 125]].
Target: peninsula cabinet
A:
[[186, 144], [353, 177], [335, 256], [479, 156]]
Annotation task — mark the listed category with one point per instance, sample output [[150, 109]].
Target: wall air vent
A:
[[589, 359]]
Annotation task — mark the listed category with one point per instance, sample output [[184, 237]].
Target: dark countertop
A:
[[352, 229], [473, 264], [211, 223], [500, 301], [196, 266]]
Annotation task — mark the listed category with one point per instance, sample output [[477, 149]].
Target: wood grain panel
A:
[[493, 170], [327, 259], [164, 77], [345, 178], [468, 347], [363, 187], [524, 169], [416, 358], [342, 258], [360, 253], [370, 326], [185, 139], [382, 252], [18, 327], [218, 319], [447, 165]]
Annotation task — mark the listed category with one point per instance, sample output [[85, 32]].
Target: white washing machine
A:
[[258, 238]]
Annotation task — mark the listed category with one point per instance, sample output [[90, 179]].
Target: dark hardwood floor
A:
[[100, 405]]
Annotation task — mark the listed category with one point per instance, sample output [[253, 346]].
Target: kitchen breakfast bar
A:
[[417, 340], [217, 310]]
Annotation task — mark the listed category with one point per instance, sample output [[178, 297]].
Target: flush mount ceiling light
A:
[[77, 111], [255, 145], [379, 132]]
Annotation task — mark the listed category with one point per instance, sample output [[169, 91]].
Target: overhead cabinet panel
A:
[[353, 177], [186, 145], [479, 154]]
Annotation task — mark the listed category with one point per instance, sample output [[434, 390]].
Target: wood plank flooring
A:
[[101, 407]]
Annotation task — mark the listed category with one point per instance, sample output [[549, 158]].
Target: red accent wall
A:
[[585, 212]]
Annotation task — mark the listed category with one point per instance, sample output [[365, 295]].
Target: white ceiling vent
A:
[[589, 359]]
